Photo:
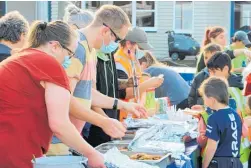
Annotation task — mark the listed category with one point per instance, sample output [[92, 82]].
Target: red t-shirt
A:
[[24, 127]]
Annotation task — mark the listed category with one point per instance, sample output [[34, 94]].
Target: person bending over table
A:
[[174, 86], [35, 98]]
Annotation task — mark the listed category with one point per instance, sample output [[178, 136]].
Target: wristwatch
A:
[[115, 105]]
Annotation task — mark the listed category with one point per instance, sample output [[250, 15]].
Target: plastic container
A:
[[60, 162], [162, 105], [150, 102]]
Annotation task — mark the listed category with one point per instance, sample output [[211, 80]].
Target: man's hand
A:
[[135, 109], [113, 128], [95, 160]]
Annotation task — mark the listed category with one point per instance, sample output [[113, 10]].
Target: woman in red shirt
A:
[[35, 98]]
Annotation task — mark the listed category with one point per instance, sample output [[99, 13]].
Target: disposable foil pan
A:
[[103, 148], [161, 163]]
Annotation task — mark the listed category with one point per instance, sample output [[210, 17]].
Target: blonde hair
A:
[[113, 16], [152, 61], [78, 17], [41, 32]]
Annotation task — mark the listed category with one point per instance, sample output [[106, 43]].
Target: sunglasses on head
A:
[[117, 38]]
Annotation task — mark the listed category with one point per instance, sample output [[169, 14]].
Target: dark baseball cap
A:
[[138, 35], [242, 36], [249, 38]]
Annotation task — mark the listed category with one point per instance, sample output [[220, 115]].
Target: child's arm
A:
[[247, 121], [202, 139], [209, 153], [212, 133], [245, 128]]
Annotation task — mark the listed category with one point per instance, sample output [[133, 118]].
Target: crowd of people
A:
[[70, 83]]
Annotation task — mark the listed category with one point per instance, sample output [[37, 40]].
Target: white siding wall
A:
[[164, 22], [42, 10], [26, 8], [206, 13], [54, 10], [210, 13]]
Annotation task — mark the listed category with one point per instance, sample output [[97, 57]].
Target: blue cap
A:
[[242, 36]]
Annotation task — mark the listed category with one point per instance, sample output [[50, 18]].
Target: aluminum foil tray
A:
[[161, 163], [103, 148], [140, 123], [165, 137], [134, 124], [122, 159]]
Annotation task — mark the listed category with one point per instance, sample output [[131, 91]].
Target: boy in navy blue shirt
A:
[[224, 127]]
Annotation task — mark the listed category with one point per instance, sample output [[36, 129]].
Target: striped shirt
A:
[[83, 67], [88, 59]]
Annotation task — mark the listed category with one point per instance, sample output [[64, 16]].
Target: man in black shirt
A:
[[108, 84]]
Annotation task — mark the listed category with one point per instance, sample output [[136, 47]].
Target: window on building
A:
[[140, 13], [183, 15], [242, 13], [145, 13], [125, 5], [2, 8]]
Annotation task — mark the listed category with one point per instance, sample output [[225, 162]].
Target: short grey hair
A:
[[78, 17], [12, 26]]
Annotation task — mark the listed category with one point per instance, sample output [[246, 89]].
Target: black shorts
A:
[[225, 162]]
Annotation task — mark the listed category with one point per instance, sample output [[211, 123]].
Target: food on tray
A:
[[144, 156], [192, 112], [124, 148]]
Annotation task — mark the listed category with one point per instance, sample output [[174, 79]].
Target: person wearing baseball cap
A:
[[241, 37], [239, 41], [130, 50], [138, 36], [132, 47]]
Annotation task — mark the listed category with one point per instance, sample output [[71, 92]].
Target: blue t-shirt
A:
[[225, 127], [174, 86]]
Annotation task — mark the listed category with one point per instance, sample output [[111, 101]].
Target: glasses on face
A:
[[117, 38], [71, 53]]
